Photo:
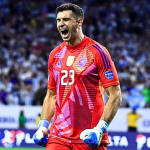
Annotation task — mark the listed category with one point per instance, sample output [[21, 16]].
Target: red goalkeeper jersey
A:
[[79, 75]]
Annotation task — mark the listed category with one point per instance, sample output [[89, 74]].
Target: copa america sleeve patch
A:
[[109, 74]]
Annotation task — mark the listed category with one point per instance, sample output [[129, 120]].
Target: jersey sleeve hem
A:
[[111, 84], [51, 88]]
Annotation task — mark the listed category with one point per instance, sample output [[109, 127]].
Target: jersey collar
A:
[[78, 46]]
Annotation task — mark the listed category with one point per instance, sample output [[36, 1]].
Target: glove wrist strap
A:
[[103, 125], [44, 123]]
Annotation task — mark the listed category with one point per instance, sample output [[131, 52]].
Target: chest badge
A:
[[82, 61], [70, 60]]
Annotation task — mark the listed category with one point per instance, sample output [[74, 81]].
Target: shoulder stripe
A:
[[101, 55], [106, 58]]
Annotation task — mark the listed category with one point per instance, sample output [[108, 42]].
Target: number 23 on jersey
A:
[[67, 77]]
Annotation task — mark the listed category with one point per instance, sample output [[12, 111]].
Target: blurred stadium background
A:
[[27, 35]]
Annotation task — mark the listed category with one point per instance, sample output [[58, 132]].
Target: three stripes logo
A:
[[104, 56], [59, 64]]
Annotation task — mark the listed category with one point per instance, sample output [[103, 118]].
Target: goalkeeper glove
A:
[[93, 137], [40, 135]]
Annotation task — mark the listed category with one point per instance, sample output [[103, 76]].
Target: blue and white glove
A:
[[93, 137], [40, 135]]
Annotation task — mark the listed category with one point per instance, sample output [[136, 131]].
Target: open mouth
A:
[[64, 32]]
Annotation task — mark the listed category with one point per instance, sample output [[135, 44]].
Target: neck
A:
[[78, 39]]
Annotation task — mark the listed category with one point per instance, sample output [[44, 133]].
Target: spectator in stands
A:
[[25, 33], [39, 94]]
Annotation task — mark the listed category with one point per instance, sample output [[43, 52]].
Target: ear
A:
[[79, 22]]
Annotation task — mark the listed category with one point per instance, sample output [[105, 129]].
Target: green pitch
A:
[[21, 148], [16, 148]]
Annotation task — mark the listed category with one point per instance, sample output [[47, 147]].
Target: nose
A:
[[61, 23]]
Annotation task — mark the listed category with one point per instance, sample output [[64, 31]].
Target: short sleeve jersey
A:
[[79, 75]]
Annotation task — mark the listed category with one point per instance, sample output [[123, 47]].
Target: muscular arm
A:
[[48, 109], [47, 113], [114, 100], [92, 137]]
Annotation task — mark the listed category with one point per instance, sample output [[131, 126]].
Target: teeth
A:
[[63, 29]]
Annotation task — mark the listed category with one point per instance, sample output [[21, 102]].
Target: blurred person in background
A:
[[39, 94], [146, 93], [80, 71], [22, 120], [132, 118], [25, 28], [38, 120]]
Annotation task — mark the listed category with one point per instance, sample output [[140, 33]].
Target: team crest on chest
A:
[[70, 60], [82, 61]]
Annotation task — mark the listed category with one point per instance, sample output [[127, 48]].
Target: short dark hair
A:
[[69, 6]]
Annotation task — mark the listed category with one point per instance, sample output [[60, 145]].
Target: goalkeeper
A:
[[80, 72]]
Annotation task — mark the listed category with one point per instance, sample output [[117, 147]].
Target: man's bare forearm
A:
[[48, 109], [113, 103]]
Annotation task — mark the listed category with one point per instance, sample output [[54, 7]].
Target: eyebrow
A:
[[63, 18]]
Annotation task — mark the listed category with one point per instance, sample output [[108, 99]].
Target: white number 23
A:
[[67, 73]]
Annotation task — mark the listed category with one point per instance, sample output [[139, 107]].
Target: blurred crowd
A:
[[28, 33]]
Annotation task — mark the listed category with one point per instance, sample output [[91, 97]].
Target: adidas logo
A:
[[59, 64]]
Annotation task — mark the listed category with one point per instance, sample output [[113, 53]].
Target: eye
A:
[[66, 19], [58, 20]]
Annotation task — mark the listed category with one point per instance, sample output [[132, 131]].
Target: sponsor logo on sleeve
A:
[[109, 74]]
